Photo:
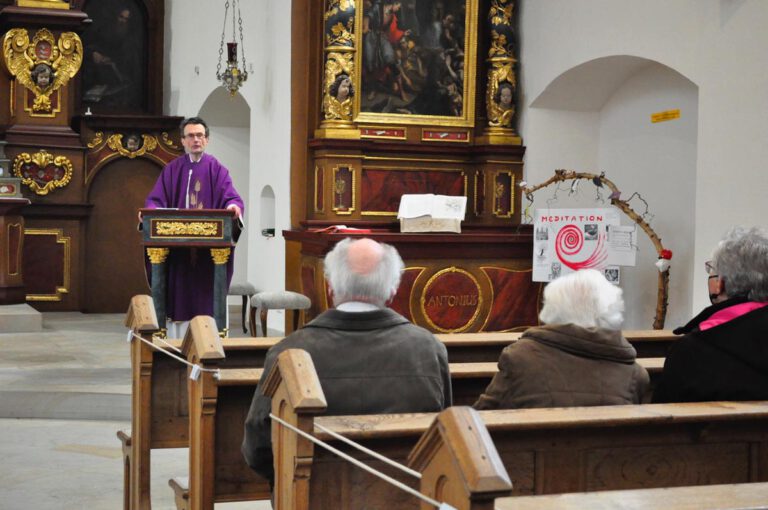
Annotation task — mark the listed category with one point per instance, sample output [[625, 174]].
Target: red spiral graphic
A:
[[569, 240]]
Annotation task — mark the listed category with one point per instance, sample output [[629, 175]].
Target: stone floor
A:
[[64, 394]]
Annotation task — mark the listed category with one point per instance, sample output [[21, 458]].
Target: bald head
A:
[[364, 255], [363, 270]]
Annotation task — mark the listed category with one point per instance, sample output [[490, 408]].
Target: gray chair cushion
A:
[[285, 300], [242, 289]]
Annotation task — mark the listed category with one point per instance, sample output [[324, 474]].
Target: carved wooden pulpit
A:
[[166, 229]]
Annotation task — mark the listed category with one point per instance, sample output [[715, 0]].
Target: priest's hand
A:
[[236, 208]]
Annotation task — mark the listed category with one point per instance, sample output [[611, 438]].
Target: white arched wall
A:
[[595, 117], [191, 54], [229, 118], [719, 45]]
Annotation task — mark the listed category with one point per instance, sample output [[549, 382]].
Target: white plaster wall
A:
[[720, 45], [192, 36], [657, 160]]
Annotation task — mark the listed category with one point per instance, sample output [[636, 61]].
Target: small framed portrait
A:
[[417, 63], [590, 231]]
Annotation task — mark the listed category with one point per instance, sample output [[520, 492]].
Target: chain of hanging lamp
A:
[[232, 77]]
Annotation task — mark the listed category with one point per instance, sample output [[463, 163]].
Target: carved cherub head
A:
[[341, 88], [42, 75], [503, 96]]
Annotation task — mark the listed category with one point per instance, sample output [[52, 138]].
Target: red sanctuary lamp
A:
[[232, 77]]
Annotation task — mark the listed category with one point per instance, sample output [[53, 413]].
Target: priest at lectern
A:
[[193, 181]]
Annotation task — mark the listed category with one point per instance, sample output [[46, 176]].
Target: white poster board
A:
[[566, 240]]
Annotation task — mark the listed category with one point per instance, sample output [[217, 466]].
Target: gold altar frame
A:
[[467, 119]]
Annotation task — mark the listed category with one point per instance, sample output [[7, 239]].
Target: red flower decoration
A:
[[666, 254]]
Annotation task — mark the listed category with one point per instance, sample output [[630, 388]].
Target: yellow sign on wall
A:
[[665, 116]]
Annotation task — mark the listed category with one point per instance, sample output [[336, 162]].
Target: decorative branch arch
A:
[[600, 180]]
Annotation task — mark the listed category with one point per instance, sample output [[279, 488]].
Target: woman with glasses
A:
[[724, 353]]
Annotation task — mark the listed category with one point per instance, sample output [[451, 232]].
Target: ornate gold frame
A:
[[401, 169], [65, 241], [42, 159], [452, 269], [52, 112], [470, 67]]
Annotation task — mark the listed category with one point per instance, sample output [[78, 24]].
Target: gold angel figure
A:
[[338, 104], [44, 65], [501, 108]]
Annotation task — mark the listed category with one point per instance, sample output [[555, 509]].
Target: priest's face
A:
[[194, 140]]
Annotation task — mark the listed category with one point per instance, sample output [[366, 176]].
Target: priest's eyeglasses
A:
[[192, 136]]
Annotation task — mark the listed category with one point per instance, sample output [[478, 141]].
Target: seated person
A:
[[369, 359], [579, 358], [724, 353]]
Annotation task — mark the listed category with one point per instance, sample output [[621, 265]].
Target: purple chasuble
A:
[[187, 185]]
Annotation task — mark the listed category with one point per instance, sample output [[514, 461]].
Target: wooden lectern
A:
[[216, 229]]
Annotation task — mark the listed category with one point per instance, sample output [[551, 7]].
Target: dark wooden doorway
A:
[[114, 260]]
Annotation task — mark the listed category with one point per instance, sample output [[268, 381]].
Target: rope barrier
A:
[[196, 369], [386, 478]]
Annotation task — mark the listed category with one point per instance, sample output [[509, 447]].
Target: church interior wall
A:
[[718, 45]]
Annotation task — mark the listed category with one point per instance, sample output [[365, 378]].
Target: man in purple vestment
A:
[[193, 181]]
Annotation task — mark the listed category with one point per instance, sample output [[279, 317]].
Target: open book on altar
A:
[[431, 213]]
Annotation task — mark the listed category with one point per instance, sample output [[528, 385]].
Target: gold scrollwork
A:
[[195, 228], [501, 11], [168, 142], [220, 255], [44, 177], [499, 97], [44, 65], [157, 255], [64, 241], [97, 140], [339, 73], [115, 142]]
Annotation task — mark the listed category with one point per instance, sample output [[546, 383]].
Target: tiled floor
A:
[[64, 394]]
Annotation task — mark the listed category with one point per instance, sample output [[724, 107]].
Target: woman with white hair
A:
[[724, 353], [578, 358]]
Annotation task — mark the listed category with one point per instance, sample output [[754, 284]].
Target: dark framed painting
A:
[[115, 57], [416, 61]]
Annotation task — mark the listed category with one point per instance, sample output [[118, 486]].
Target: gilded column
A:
[[220, 258], [339, 75], [502, 82]]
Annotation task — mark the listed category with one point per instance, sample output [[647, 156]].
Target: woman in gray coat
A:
[[578, 358]]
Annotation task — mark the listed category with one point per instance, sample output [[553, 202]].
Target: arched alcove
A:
[[597, 117], [267, 216], [229, 120]]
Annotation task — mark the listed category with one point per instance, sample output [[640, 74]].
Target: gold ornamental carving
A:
[[42, 171], [65, 242], [157, 255], [44, 4], [127, 150], [220, 255], [97, 140], [166, 139], [179, 228], [338, 89], [43, 65]]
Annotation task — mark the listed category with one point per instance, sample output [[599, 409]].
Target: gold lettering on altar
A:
[[452, 301], [197, 228]]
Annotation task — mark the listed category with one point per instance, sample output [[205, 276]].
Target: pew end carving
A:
[[458, 462], [297, 397]]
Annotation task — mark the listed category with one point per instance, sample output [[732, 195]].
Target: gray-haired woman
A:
[[579, 358], [724, 353]]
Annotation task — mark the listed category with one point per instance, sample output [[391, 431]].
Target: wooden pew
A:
[[159, 399], [738, 496], [455, 456]]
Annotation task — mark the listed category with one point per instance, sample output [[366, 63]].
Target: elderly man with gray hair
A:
[[724, 353], [578, 358], [369, 359]]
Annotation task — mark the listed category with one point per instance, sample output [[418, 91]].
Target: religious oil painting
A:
[[417, 60]]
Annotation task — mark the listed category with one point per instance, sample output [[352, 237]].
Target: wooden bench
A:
[[546, 451], [738, 496], [159, 400]]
